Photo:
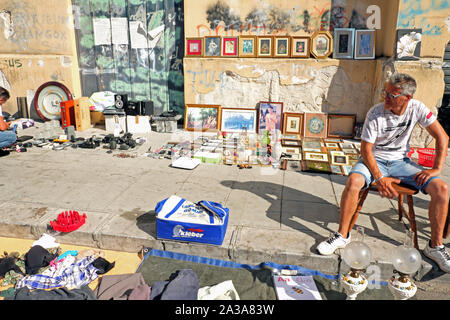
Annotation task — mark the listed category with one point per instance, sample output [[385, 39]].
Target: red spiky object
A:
[[68, 221]]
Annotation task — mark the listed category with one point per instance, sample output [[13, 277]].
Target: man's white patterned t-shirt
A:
[[389, 133]]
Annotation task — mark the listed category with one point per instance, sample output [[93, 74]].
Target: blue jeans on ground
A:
[[403, 169], [7, 138]]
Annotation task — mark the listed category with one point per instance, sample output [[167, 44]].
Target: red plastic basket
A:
[[426, 156], [411, 152], [68, 221]]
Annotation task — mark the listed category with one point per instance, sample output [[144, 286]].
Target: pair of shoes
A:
[[438, 255], [336, 241], [3, 153]]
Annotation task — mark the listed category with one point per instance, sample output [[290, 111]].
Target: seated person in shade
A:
[[7, 137], [384, 147]]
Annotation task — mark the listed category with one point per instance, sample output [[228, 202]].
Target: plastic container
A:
[[426, 156], [68, 221]]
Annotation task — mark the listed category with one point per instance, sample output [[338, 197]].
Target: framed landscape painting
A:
[[270, 115], [321, 44], [202, 117], [238, 120]]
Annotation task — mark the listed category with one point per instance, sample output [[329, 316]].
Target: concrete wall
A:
[[42, 48]]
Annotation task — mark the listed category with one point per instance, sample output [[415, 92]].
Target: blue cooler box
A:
[[171, 212]]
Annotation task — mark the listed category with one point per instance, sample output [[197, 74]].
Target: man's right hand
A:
[[385, 188]]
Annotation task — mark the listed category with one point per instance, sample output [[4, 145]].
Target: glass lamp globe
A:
[[406, 260], [357, 255]]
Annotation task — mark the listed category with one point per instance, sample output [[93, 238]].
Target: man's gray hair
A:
[[406, 83]]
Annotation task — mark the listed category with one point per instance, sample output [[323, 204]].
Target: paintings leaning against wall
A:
[[341, 126], [202, 117], [265, 46], [194, 47], [344, 42], [238, 120], [230, 46], [293, 123], [321, 44], [282, 47], [247, 46], [315, 125], [365, 44], [408, 44], [300, 47], [212, 46], [270, 116]]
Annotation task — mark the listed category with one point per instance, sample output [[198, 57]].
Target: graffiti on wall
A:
[[413, 15]]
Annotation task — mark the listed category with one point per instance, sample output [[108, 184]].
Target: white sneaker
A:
[[336, 241], [438, 255]]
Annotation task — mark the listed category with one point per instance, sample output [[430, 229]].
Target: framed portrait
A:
[[238, 120], [311, 145], [194, 47], [213, 45], [293, 123], [318, 166], [321, 44], [344, 42], [316, 156], [300, 47], [290, 143], [282, 47], [315, 125], [230, 46], [339, 160], [247, 46], [365, 44], [265, 46], [341, 126], [408, 44], [202, 117], [269, 114]]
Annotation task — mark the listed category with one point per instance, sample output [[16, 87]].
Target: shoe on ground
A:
[[329, 246], [438, 255], [4, 153]]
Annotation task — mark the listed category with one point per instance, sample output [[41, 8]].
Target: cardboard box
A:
[[97, 117], [138, 124], [82, 114], [110, 122]]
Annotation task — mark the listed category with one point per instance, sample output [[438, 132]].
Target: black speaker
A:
[[120, 101], [133, 108], [147, 108]]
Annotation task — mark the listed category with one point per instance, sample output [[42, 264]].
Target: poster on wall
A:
[[138, 35], [408, 44], [119, 30], [102, 31]]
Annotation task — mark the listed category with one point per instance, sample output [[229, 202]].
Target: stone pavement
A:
[[275, 215]]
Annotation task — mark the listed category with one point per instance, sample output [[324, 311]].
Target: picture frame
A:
[[248, 46], [346, 145], [291, 150], [320, 166], [340, 160], [213, 46], [336, 169], [293, 123], [332, 145], [282, 47], [341, 126], [292, 136], [344, 43], [230, 46], [238, 120], [311, 145], [350, 151], [300, 47], [332, 140], [336, 153], [408, 44], [202, 117], [194, 47], [290, 143], [265, 47], [269, 116], [315, 125], [364, 44], [321, 44], [316, 156]]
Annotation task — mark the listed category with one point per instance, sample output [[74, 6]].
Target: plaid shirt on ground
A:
[[72, 277]]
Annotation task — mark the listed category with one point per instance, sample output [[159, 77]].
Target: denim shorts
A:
[[403, 169]]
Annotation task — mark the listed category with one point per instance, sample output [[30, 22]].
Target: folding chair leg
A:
[[412, 219]]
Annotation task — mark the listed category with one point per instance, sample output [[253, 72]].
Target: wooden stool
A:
[[402, 191]]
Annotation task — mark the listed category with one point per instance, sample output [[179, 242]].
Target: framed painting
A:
[[332, 145], [265, 46], [315, 125], [213, 45], [300, 47], [311, 145], [194, 47], [202, 117], [336, 169], [341, 126], [247, 46], [320, 166], [321, 44], [365, 44], [290, 143], [344, 42], [238, 120], [270, 116], [230, 46], [316, 156], [282, 47], [293, 123], [346, 145], [339, 160], [408, 44]]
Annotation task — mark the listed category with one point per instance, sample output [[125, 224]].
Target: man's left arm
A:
[[438, 133]]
